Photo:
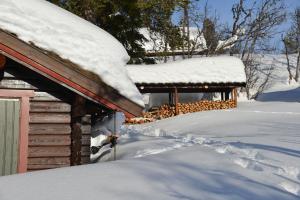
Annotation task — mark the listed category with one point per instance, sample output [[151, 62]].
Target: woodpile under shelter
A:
[[222, 74], [58, 73]]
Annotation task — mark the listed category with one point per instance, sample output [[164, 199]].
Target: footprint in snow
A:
[[290, 187], [289, 171], [248, 164]]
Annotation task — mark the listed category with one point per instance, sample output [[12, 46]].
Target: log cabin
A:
[[206, 75], [49, 99]]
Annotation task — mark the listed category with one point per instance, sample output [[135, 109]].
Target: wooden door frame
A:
[[23, 96]]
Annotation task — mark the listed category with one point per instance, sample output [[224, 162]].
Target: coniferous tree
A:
[[122, 19], [210, 35]]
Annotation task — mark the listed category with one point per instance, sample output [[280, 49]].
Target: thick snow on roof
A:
[[222, 69], [54, 29]]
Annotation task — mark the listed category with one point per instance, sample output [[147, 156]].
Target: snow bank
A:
[[222, 69], [243, 154], [54, 29]]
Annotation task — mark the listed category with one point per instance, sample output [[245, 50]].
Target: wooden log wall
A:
[[50, 119], [49, 134]]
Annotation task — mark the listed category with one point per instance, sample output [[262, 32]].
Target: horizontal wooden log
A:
[[44, 96], [85, 160], [48, 107], [16, 84], [49, 161], [85, 150], [42, 129], [51, 118], [86, 119], [86, 129], [86, 140], [59, 151], [44, 167], [49, 140]]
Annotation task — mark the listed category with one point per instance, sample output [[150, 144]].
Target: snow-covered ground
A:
[[248, 153], [252, 152]]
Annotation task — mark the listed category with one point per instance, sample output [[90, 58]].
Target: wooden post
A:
[[227, 95], [78, 111], [235, 96], [176, 96], [222, 96], [170, 98], [115, 134]]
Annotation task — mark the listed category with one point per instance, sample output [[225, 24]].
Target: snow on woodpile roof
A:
[[54, 29], [222, 69]]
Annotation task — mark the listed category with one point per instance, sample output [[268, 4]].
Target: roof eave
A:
[[62, 73]]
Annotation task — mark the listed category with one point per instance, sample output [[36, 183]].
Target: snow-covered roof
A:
[[221, 69], [53, 29]]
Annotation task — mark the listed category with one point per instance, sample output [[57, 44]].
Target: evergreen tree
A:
[[121, 18], [210, 35], [157, 16]]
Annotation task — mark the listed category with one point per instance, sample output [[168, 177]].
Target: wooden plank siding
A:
[[49, 138], [49, 135], [9, 136]]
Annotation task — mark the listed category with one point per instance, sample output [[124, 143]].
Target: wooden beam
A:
[[185, 89], [235, 96], [2, 62], [78, 111], [170, 98], [176, 100], [227, 95]]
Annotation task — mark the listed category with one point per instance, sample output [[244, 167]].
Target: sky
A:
[[223, 10]]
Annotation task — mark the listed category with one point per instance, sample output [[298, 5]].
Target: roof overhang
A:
[[187, 87], [66, 74]]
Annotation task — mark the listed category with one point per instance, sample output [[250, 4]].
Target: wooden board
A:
[[86, 140], [57, 107], [49, 140], [85, 160], [85, 151], [9, 136], [86, 129], [47, 163], [50, 118], [2, 61], [42, 129], [52, 151]]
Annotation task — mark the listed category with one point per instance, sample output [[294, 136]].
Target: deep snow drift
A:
[[252, 152]]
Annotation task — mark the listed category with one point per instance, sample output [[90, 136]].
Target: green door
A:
[[9, 136]]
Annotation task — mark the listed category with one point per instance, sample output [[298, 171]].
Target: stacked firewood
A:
[[139, 120], [166, 111]]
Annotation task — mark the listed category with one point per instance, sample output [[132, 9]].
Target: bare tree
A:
[[291, 43], [258, 22]]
